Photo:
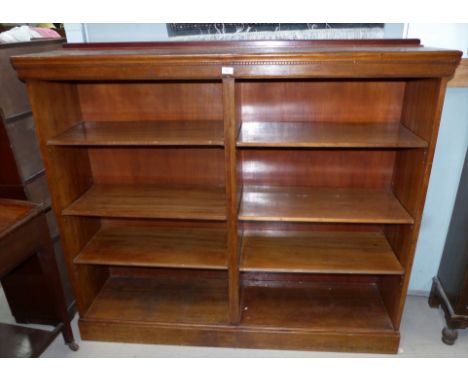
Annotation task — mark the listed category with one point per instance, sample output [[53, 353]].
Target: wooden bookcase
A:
[[245, 194]]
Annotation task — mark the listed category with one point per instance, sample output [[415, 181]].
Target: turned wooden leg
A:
[[449, 336]]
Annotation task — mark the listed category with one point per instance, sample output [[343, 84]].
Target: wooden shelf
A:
[[340, 307], [327, 134], [161, 299], [318, 252], [142, 133], [157, 247], [145, 201], [335, 205]]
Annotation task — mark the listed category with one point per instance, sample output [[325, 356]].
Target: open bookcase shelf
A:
[[327, 135], [211, 194], [318, 252], [142, 133], [148, 201], [157, 247], [307, 204]]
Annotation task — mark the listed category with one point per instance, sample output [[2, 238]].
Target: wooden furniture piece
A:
[[22, 176], [245, 194], [450, 287], [24, 233]]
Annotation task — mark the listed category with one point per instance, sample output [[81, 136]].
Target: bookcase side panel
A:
[[69, 175], [422, 107]]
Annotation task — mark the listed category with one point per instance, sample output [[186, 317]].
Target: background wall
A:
[[450, 150], [448, 160]]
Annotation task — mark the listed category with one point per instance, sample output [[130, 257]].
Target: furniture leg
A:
[[449, 336]]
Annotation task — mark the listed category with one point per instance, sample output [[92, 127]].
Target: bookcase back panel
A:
[[181, 274], [160, 223], [160, 166], [321, 168], [327, 101], [146, 101], [316, 227]]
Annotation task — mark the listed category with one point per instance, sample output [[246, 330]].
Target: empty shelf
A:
[[326, 134], [162, 299], [148, 201], [309, 204], [318, 252], [142, 133], [157, 247], [316, 306]]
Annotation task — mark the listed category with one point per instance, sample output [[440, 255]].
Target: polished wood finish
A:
[[23, 234], [319, 134], [318, 168], [22, 177], [205, 62], [23, 342], [231, 121], [460, 79], [166, 167], [328, 147], [336, 205], [318, 252], [169, 300], [325, 306], [164, 133], [156, 247], [127, 201]]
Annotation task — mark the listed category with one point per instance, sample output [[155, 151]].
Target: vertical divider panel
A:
[[230, 136], [70, 171]]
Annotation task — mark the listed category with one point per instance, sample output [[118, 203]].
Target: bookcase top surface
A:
[[248, 59]]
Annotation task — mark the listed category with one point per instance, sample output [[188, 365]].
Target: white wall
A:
[[108, 32]]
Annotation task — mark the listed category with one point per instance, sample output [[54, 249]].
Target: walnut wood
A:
[[318, 252], [13, 212], [233, 243], [339, 205], [24, 342], [344, 168], [169, 300], [128, 201], [351, 186], [422, 109], [23, 234], [157, 247], [206, 62], [259, 338], [168, 167], [137, 133], [329, 100], [153, 101], [244, 43], [73, 169], [324, 306], [320, 134]]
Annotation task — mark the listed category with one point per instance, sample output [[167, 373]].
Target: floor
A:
[[420, 337]]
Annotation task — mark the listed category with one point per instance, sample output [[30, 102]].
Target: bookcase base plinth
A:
[[239, 337]]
